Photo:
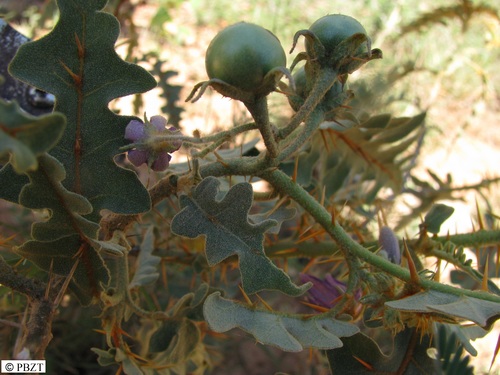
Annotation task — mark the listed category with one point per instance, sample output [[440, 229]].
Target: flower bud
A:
[[147, 148], [390, 245]]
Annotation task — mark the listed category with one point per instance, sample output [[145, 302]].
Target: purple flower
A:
[[154, 153], [389, 244], [325, 292]]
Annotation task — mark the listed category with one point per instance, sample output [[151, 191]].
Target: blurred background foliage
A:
[[440, 56]]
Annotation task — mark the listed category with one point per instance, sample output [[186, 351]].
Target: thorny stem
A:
[[260, 113], [37, 333], [324, 82], [350, 248], [477, 239], [190, 141], [315, 119]]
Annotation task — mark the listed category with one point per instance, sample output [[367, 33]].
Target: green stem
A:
[[190, 141], [324, 82], [315, 119], [477, 239], [285, 185], [260, 113], [327, 248]]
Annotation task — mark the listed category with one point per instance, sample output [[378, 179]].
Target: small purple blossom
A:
[[155, 154], [390, 245], [324, 292]]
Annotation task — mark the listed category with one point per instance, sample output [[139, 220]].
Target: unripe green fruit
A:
[[332, 29], [242, 54], [332, 99]]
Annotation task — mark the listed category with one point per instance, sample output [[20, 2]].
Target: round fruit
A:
[[242, 54], [332, 98], [335, 28]]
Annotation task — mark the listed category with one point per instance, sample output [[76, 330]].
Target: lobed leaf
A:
[[374, 152], [228, 232], [289, 333], [66, 236], [77, 63], [25, 137], [147, 264], [280, 215], [360, 354], [483, 313]]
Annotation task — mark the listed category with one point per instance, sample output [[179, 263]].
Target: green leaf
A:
[[176, 338], [66, 236], [147, 264], [46, 191], [483, 313], [280, 215], [25, 137], [11, 191], [372, 155], [436, 216], [289, 333], [59, 256], [347, 359], [450, 354], [105, 357], [228, 232], [77, 63]]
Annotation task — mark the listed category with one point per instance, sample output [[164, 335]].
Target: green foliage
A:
[[360, 354], [165, 282], [146, 269], [375, 151], [68, 63], [436, 216], [450, 354], [290, 333], [66, 239], [228, 232], [483, 313], [25, 137]]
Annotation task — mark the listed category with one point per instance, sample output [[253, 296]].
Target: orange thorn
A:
[[79, 46], [76, 78], [479, 216], [286, 251], [325, 141], [411, 265], [221, 160], [323, 195], [366, 364], [266, 305], [315, 307], [484, 284], [312, 235], [437, 274], [311, 263], [247, 299], [497, 348]]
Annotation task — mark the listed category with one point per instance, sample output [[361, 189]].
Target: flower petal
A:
[[138, 157], [135, 131], [161, 163], [159, 122]]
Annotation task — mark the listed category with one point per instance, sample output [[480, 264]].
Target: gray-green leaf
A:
[[483, 313], [147, 263], [228, 232], [289, 333]]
